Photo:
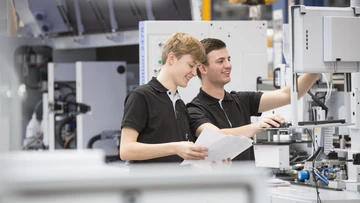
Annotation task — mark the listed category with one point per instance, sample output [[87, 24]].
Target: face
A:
[[184, 69], [219, 68]]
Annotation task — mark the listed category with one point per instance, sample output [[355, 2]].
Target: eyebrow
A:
[[222, 58]]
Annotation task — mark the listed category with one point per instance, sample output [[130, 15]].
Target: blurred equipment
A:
[[82, 177], [253, 2], [104, 97], [242, 10], [81, 17], [61, 104], [85, 100]]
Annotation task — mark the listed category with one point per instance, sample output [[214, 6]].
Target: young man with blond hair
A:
[[155, 126], [230, 113]]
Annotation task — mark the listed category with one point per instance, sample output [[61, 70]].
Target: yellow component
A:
[[270, 1], [252, 3], [237, 1], [270, 41], [270, 74], [206, 10], [315, 130]]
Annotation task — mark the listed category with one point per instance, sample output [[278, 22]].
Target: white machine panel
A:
[[83, 177], [101, 86], [272, 156], [341, 38], [246, 43], [355, 105], [310, 37]]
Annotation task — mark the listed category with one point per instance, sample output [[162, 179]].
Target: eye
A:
[[229, 59], [220, 62], [191, 65]]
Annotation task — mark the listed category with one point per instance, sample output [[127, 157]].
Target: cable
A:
[[108, 158], [317, 144], [322, 178], [329, 88], [321, 96], [317, 100], [68, 141], [59, 130], [93, 140], [326, 169], [316, 154]]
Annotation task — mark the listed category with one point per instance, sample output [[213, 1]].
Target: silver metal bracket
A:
[[302, 10], [80, 39], [116, 37], [356, 11]]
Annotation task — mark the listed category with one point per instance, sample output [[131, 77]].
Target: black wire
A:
[[93, 140], [318, 199], [321, 97], [317, 100]]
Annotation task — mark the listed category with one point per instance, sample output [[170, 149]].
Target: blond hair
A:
[[181, 44]]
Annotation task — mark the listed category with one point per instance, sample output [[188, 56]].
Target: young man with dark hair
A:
[[155, 127], [230, 113]]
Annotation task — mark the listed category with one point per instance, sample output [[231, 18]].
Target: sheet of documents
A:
[[221, 146]]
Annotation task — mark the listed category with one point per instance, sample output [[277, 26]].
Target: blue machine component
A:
[[303, 175]]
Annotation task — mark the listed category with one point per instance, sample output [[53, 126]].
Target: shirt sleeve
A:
[[135, 112], [197, 116], [252, 100]]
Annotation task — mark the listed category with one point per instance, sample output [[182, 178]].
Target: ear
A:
[[171, 58], [203, 69]]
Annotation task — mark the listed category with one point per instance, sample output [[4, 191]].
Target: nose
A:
[[194, 71], [227, 64]]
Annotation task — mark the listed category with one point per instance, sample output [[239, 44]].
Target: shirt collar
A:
[[212, 100], [155, 84]]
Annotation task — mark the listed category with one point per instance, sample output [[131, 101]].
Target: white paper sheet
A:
[[221, 146]]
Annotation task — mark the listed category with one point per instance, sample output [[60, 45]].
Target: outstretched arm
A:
[[246, 130], [281, 97]]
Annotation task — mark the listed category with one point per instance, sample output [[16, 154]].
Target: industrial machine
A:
[[60, 32], [83, 110], [309, 51], [318, 45]]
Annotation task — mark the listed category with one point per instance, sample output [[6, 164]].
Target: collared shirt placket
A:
[[173, 101], [220, 103]]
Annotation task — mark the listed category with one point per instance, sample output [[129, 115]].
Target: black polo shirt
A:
[[234, 110], [150, 111]]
